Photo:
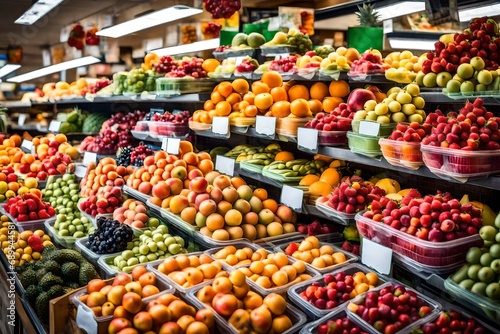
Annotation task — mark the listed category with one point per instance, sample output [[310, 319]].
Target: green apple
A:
[[484, 77], [465, 71], [152, 246], [467, 87], [453, 86], [443, 78], [430, 80], [132, 261], [179, 240], [394, 106], [143, 249], [398, 117], [381, 109], [370, 105], [477, 63], [174, 248], [169, 241]]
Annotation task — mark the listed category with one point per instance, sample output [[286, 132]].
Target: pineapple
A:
[[367, 16]]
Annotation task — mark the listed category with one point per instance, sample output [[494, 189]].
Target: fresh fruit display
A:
[[369, 63], [435, 218], [318, 255], [413, 132], [257, 155], [236, 257], [106, 200], [340, 325], [222, 10], [12, 186], [165, 65], [123, 156], [28, 207], [93, 123], [57, 273], [50, 144], [481, 273], [404, 66], [381, 310], [21, 247], [134, 213], [352, 195], [297, 167], [321, 185], [309, 60], [339, 60], [72, 225], [192, 67], [342, 110], [463, 82], [72, 121], [225, 296], [453, 322], [139, 153], [98, 85], [332, 290], [323, 51], [401, 105], [300, 41], [190, 270], [316, 228], [110, 236], [57, 164], [105, 173], [248, 65], [284, 64], [150, 246], [138, 81], [325, 122], [176, 118]]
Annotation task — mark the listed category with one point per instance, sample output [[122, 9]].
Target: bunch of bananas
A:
[[297, 167]]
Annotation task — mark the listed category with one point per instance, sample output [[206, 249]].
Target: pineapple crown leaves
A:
[[367, 16]]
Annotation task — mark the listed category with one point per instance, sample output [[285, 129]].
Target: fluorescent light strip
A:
[[37, 11], [7, 69], [150, 20], [399, 9], [54, 69], [468, 14], [189, 48], [411, 44]]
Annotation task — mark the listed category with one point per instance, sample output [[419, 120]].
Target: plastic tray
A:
[[105, 263], [142, 135], [272, 50], [460, 164], [82, 245], [297, 318], [335, 215], [251, 167], [155, 209], [136, 194], [349, 257], [242, 121], [414, 266], [312, 327], [362, 144], [63, 241], [27, 225], [281, 178], [435, 307], [197, 126], [165, 129], [176, 86], [428, 253], [385, 129], [288, 126], [230, 53], [401, 153], [332, 138], [487, 306], [313, 311], [238, 245]]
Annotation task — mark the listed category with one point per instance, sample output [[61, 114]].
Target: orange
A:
[[14, 186], [242, 105], [223, 108], [263, 101], [208, 105], [300, 108], [249, 97], [206, 166], [240, 86], [339, 88], [260, 87], [330, 176], [260, 193], [60, 138], [280, 109], [309, 179], [234, 98], [251, 111], [9, 142], [330, 103], [316, 106], [279, 94], [17, 139], [205, 118], [216, 97], [298, 92], [284, 156], [225, 88], [319, 91], [210, 64], [270, 204], [272, 79]]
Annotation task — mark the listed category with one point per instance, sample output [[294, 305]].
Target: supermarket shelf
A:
[[249, 132], [436, 96], [258, 177], [15, 104], [492, 182]]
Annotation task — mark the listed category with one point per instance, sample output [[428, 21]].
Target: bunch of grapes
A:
[[284, 64], [189, 67], [176, 118], [139, 154], [301, 41], [165, 65], [125, 122], [123, 157], [104, 82], [222, 9]]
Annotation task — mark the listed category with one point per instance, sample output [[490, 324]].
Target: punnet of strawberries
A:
[[28, 207]]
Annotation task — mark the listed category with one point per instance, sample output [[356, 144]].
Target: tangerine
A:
[[339, 88], [280, 109], [233, 98], [225, 88], [260, 193], [300, 108], [240, 86], [210, 64], [208, 105], [249, 97], [250, 111], [216, 97], [270, 204], [319, 91], [315, 105], [260, 87], [298, 92], [279, 94], [263, 101], [223, 108], [330, 103], [284, 156], [272, 79]]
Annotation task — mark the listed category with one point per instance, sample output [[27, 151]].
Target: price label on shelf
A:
[[292, 197], [54, 126], [171, 145], [307, 139], [220, 126], [281, 55], [224, 165], [265, 125], [89, 157], [80, 171], [21, 119], [376, 256], [27, 146], [369, 128]]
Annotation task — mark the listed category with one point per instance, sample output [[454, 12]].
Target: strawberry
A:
[[36, 243], [43, 214], [291, 248], [22, 218], [31, 205], [51, 211], [22, 208], [13, 211], [42, 205], [32, 215]]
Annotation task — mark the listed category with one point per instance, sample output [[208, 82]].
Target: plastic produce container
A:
[[103, 321], [313, 311], [340, 312], [176, 86], [365, 145], [385, 129], [401, 153], [349, 257], [166, 129], [238, 245], [27, 225], [136, 194], [435, 307], [82, 245], [428, 253], [63, 241], [105, 263], [460, 164], [288, 126], [335, 215], [332, 138], [297, 318], [198, 127], [242, 121], [155, 209], [490, 308]]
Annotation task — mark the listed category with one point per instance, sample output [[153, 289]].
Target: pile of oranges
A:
[[270, 96]]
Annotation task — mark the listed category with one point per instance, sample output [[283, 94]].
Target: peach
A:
[[230, 194], [178, 203], [235, 232], [215, 194], [275, 303], [281, 324], [149, 290], [206, 231], [198, 184], [266, 216], [284, 213], [141, 216], [225, 304], [274, 229], [138, 271], [132, 302], [207, 207], [233, 217], [180, 308], [96, 298], [211, 176], [223, 207], [249, 231], [206, 316], [261, 231], [188, 215], [200, 198], [159, 313], [185, 321], [215, 221], [252, 300], [220, 234], [143, 320], [222, 285], [117, 324], [261, 319], [95, 285], [222, 182], [161, 190], [134, 286], [179, 172], [240, 320], [145, 188], [194, 173], [206, 294], [170, 328]]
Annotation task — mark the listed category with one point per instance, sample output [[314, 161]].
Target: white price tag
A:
[[292, 197], [307, 138], [281, 55], [90, 97], [89, 157], [224, 165], [387, 26], [220, 125], [239, 60], [54, 126], [21, 119], [173, 146], [369, 128], [376, 256], [85, 320], [80, 171], [164, 144], [27, 146], [265, 125]]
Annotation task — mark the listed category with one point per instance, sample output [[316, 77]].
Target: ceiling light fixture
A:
[[156, 18], [38, 10], [188, 48], [411, 44], [54, 69], [468, 14], [399, 9], [7, 69]]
